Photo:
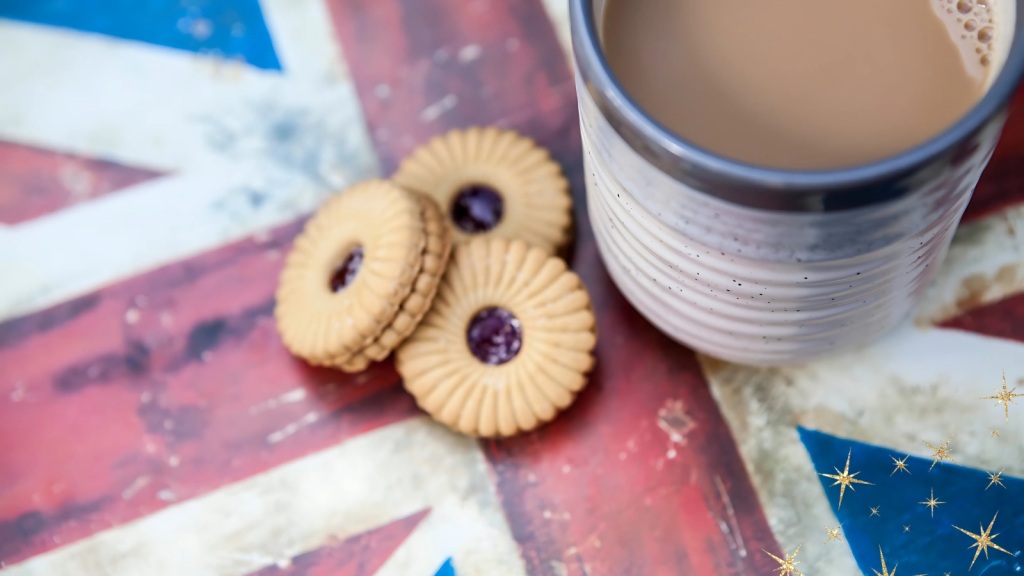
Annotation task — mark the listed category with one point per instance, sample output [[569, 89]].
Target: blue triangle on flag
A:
[[228, 28], [904, 528], [446, 569]]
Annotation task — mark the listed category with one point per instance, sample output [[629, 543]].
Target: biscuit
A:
[[350, 271], [492, 182], [507, 343], [435, 260], [356, 363]]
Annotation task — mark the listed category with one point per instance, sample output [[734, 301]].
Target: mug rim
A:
[[773, 188]]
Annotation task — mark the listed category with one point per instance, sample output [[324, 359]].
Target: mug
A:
[[762, 266]]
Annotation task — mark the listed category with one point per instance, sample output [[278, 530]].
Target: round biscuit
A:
[[537, 205], [558, 330]]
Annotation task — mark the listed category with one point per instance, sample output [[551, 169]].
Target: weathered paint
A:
[[919, 538], [156, 407], [230, 28], [410, 495], [606, 488], [34, 182], [244, 149], [176, 376]]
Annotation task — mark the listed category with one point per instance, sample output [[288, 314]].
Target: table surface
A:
[[155, 162]]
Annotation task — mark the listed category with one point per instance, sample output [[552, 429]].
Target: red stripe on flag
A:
[[359, 555], [1003, 319], [571, 498], [1002, 184], [34, 182], [424, 67], [160, 389]]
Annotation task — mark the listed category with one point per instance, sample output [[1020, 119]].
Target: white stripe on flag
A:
[[918, 383], [340, 492], [248, 149], [304, 39], [985, 265]]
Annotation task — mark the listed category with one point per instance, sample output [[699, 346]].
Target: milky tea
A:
[[804, 84], [806, 229]]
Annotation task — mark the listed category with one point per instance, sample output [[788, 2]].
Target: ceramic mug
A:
[[772, 267]]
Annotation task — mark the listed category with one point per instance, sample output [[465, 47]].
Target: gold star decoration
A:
[[1005, 398], [844, 478], [874, 512], [941, 453], [995, 431], [905, 529], [995, 479], [788, 566], [900, 465], [833, 534], [884, 571], [983, 541], [932, 503]]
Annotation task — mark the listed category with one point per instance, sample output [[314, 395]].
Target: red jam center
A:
[[477, 208], [494, 336], [346, 273]]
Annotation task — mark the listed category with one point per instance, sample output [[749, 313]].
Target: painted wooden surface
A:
[[149, 395], [566, 487], [35, 182]]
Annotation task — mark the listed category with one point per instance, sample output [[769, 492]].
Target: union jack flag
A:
[[157, 158]]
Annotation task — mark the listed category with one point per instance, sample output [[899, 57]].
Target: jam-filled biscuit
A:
[[493, 182], [507, 343], [435, 259], [349, 272]]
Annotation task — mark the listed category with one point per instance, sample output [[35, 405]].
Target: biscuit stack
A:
[[508, 341]]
